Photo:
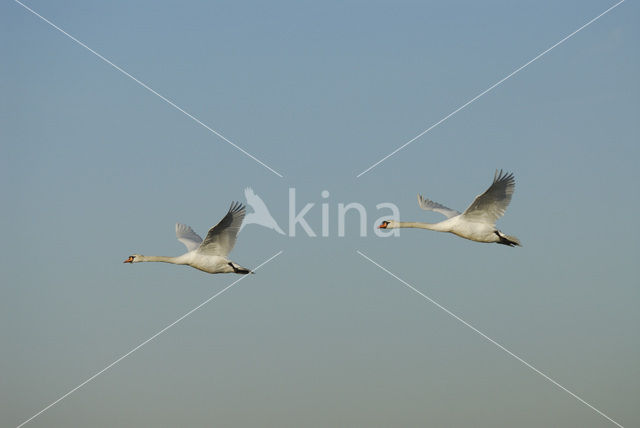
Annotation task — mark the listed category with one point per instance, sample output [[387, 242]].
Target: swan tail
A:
[[511, 241]]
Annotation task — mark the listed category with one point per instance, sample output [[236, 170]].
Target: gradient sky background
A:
[[95, 168]]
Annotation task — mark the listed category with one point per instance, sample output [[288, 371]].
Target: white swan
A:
[[209, 255], [478, 222]]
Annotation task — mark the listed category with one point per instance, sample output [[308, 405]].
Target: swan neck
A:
[[418, 225], [162, 259]]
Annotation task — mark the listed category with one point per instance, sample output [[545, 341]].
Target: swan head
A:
[[136, 258], [388, 224]]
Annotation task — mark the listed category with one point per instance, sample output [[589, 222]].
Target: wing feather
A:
[[187, 236], [429, 205], [222, 237], [492, 204]]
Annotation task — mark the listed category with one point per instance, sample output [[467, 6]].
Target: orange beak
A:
[[129, 260], [382, 226]]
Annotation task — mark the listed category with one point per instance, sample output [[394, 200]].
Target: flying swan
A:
[[478, 222], [209, 255]]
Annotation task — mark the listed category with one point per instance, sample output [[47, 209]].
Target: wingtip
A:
[[501, 175], [236, 207]]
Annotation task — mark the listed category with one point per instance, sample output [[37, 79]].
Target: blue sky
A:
[[95, 168]]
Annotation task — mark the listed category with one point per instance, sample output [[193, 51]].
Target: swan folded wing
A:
[[222, 237], [429, 205], [187, 236], [492, 204]]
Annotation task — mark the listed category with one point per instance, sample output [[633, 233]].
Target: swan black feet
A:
[[511, 241], [239, 269]]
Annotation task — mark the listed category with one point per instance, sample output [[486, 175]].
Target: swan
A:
[[260, 214], [209, 255], [478, 222]]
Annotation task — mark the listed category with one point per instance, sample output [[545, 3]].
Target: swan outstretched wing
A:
[[222, 237], [492, 204], [429, 205], [187, 236]]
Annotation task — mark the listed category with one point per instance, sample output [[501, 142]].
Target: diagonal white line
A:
[[146, 341], [165, 99], [411, 287], [488, 89]]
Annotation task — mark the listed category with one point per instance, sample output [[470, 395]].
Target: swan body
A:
[[208, 255], [477, 222]]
